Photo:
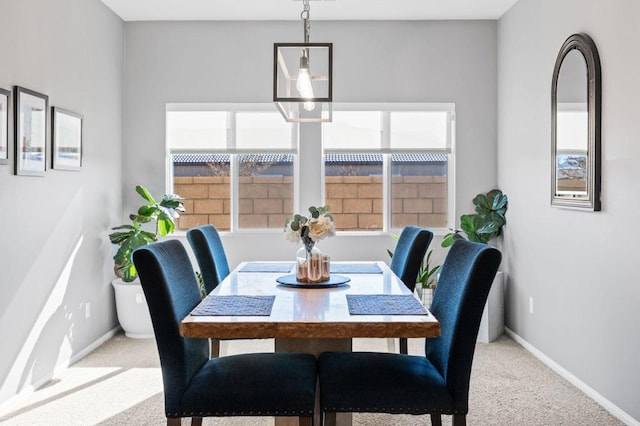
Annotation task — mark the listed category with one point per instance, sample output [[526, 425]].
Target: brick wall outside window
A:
[[355, 201]]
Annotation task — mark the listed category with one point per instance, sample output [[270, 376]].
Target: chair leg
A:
[[459, 420], [173, 421], [404, 345], [436, 420], [196, 421], [328, 418], [305, 421]]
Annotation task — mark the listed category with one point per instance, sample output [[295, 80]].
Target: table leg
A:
[[314, 347]]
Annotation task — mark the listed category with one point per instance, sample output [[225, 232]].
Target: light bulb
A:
[[303, 83]]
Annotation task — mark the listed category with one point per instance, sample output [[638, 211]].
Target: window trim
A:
[[385, 107], [387, 151]]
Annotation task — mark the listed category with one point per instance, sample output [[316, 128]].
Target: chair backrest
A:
[[207, 246], [409, 254], [171, 290], [465, 279]]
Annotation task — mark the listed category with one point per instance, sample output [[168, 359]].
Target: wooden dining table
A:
[[310, 318]]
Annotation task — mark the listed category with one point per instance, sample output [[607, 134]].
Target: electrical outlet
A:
[[531, 305], [87, 310]]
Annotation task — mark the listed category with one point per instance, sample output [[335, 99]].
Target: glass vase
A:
[[326, 267], [314, 265], [301, 265]]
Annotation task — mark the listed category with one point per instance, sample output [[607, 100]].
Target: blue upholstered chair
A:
[[212, 260], [273, 384], [409, 254], [407, 258], [435, 384]]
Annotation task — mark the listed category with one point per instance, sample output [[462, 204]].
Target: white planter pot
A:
[[492, 323], [425, 295], [132, 309]]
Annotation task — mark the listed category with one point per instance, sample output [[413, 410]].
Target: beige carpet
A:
[[120, 384]]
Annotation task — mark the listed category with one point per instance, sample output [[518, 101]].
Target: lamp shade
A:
[[302, 81]]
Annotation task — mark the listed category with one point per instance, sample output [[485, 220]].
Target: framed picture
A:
[[66, 137], [4, 126], [30, 130]]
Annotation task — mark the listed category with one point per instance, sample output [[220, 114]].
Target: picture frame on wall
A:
[[5, 98], [30, 130], [66, 139]]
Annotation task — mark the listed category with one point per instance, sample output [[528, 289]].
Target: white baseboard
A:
[[86, 351], [10, 404], [589, 391]]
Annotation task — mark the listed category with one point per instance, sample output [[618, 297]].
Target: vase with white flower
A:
[[311, 265]]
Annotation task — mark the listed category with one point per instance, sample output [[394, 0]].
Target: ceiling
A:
[[232, 10]]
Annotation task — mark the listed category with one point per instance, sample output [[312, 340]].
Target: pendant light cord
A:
[[304, 15]]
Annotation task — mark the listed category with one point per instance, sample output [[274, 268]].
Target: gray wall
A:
[[579, 267], [54, 254], [411, 61]]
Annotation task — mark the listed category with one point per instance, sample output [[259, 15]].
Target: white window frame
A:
[[234, 153], [387, 151], [301, 154]]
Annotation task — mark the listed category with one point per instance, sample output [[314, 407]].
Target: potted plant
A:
[[427, 280], [131, 306], [486, 223], [311, 265], [482, 227]]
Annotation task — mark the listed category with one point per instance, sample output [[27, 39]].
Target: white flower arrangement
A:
[[318, 226]]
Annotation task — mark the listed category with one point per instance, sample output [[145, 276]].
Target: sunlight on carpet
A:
[[68, 401]]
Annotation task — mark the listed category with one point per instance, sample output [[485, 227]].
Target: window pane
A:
[[203, 181], [419, 130], [351, 130], [260, 130], [197, 130], [265, 190], [419, 190], [353, 191]]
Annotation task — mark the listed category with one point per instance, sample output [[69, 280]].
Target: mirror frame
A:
[[585, 45]]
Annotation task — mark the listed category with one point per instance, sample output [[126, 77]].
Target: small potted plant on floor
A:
[[427, 280], [153, 219]]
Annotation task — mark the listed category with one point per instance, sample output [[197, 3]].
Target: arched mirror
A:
[[575, 125]]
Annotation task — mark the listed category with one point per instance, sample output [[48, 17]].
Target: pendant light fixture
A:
[[302, 77]]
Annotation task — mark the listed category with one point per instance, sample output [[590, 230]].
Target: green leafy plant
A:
[[201, 287], [427, 275], [131, 236], [486, 223]]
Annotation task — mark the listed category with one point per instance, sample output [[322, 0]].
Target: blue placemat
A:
[[267, 267], [235, 305], [355, 268], [384, 304]]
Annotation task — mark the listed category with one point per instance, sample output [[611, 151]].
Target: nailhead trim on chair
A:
[[241, 413], [390, 410]]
